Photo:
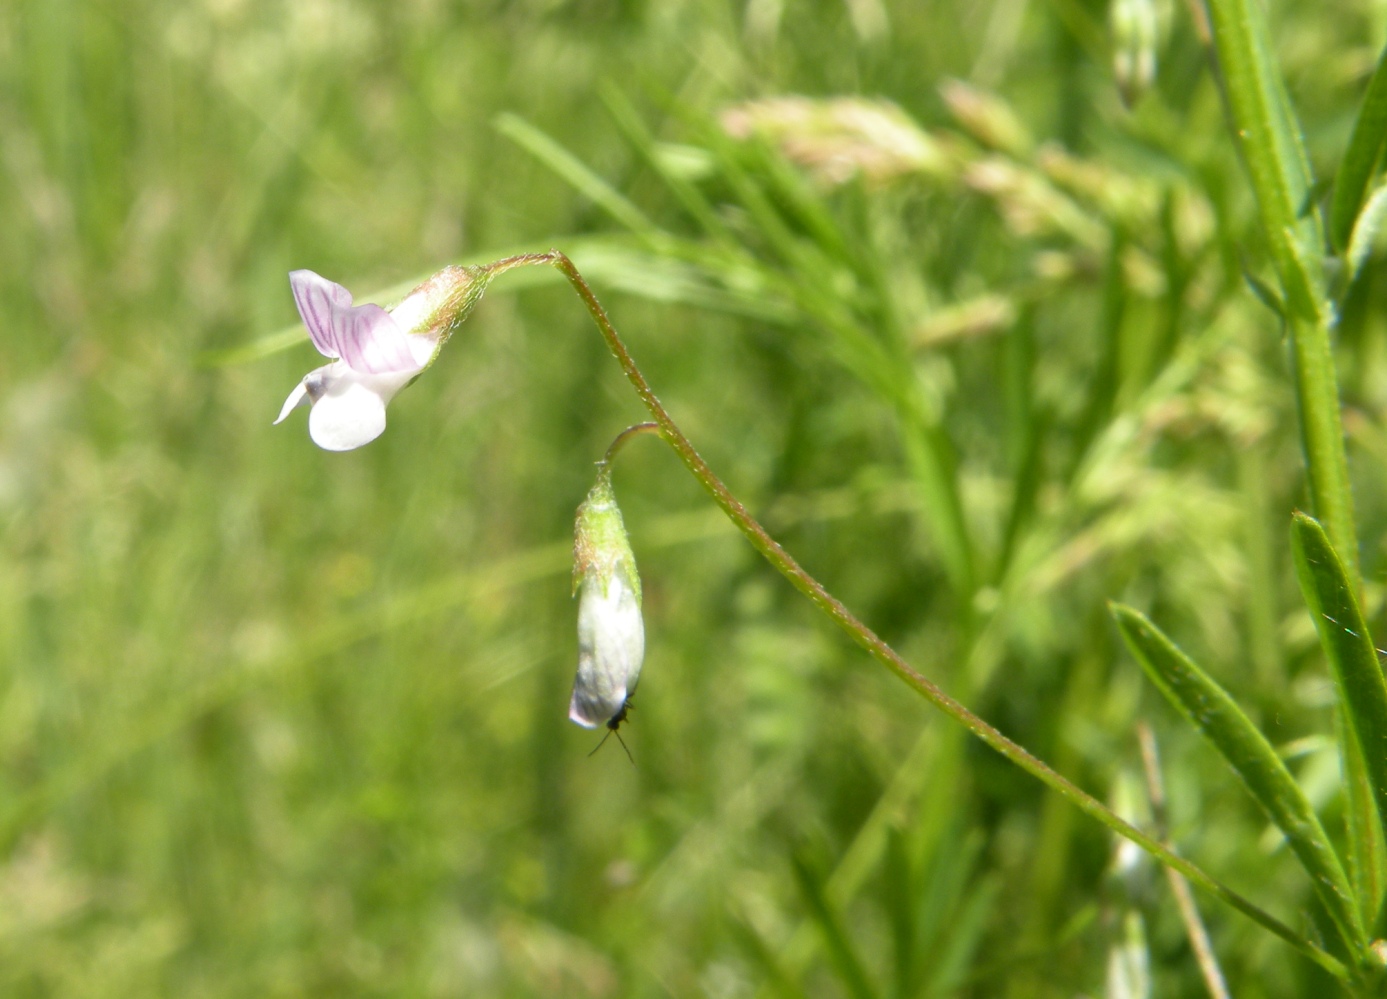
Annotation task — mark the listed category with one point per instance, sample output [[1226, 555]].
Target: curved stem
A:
[[875, 646], [620, 441]]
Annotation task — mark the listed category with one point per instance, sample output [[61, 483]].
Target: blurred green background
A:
[[278, 722]]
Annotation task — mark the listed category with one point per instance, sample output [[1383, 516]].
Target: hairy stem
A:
[[875, 646]]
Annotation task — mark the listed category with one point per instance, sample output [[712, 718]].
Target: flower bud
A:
[[1135, 29], [611, 636]]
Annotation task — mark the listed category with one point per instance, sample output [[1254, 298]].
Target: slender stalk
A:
[[771, 550], [620, 440], [1268, 137], [1179, 887]]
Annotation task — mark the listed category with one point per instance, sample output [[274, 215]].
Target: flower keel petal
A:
[[349, 409], [296, 398]]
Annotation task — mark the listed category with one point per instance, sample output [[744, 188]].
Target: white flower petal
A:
[[422, 348], [611, 646], [347, 420], [296, 398], [349, 408]]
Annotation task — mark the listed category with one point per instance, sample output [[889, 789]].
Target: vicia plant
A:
[[374, 353]]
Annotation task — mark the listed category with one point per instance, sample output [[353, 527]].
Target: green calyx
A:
[[601, 548], [439, 305]]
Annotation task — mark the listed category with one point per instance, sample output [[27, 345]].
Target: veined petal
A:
[[365, 336], [348, 407], [372, 342], [316, 298], [611, 646]]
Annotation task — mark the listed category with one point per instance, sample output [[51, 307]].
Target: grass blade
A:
[[1348, 647], [692, 200], [1360, 158], [1208, 706], [1365, 229], [576, 173], [777, 979], [846, 961]]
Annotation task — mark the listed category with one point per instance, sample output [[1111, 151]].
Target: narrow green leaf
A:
[[1365, 230], [1028, 427], [1365, 857], [1087, 30], [900, 897], [1106, 380], [628, 120], [1265, 294], [777, 978], [1348, 647], [1322, 436], [256, 350], [840, 948], [576, 173], [1211, 710], [737, 168], [801, 202], [1361, 158]]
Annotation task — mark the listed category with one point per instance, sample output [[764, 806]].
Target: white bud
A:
[[611, 646], [1135, 35], [611, 635]]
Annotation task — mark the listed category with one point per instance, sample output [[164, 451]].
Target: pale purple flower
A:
[[373, 356]]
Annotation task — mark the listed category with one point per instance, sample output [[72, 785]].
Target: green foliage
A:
[[1217, 716], [1361, 159], [969, 335], [1352, 656]]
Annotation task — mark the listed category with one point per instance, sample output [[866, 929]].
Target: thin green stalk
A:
[[771, 550], [1268, 136], [1200, 943], [620, 440], [1269, 140]]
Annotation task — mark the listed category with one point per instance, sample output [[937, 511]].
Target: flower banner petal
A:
[[318, 299]]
